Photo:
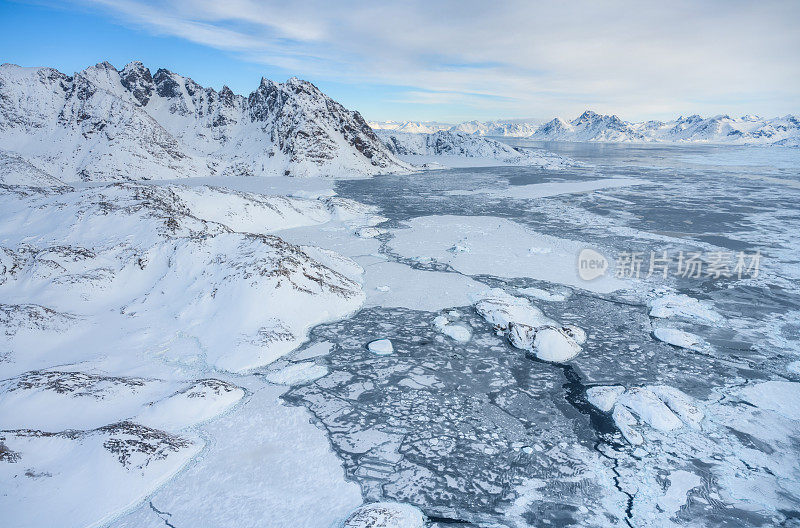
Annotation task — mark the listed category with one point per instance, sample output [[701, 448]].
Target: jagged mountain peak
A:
[[591, 117], [136, 78], [587, 114], [131, 124]]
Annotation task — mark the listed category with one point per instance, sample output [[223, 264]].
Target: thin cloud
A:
[[635, 58]]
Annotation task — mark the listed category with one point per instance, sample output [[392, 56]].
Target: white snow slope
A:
[[124, 308]]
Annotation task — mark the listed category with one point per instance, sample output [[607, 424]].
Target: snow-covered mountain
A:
[[411, 127], [591, 126], [109, 124], [509, 128], [446, 146]]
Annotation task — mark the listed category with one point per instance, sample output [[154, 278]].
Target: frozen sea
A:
[[285, 350], [480, 433]]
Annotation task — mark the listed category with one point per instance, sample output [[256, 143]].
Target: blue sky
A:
[[447, 61]]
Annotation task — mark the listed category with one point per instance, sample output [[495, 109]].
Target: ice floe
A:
[[496, 246], [649, 408], [554, 345], [782, 397], [527, 328], [661, 407], [626, 423], [500, 310], [678, 306], [681, 482], [381, 347], [604, 396], [544, 295], [295, 373], [456, 331], [680, 338]]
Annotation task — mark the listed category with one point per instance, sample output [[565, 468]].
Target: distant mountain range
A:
[[509, 128], [108, 124], [591, 126], [443, 147]]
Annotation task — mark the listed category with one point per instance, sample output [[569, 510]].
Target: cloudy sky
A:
[[444, 60]]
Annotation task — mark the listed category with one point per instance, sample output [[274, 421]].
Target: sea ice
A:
[[457, 332], [386, 515], [554, 345], [527, 327], [782, 397], [661, 407], [604, 396], [680, 483], [543, 190], [679, 338], [500, 309], [677, 306], [649, 408], [680, 403], [381, 347], [575, 332], [627, 423], [498, 247], [297, 373], [521, 335], [544, 295]]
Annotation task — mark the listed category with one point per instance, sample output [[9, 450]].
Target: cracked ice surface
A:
[[696, 428]]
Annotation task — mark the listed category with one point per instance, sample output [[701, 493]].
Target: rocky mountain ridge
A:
[[108, 124]]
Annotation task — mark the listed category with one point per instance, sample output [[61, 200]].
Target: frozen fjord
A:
[[480, 432], [470, 430]]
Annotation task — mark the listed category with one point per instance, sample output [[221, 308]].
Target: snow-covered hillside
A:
[[109, 124], [124, 306], [450, 148]]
